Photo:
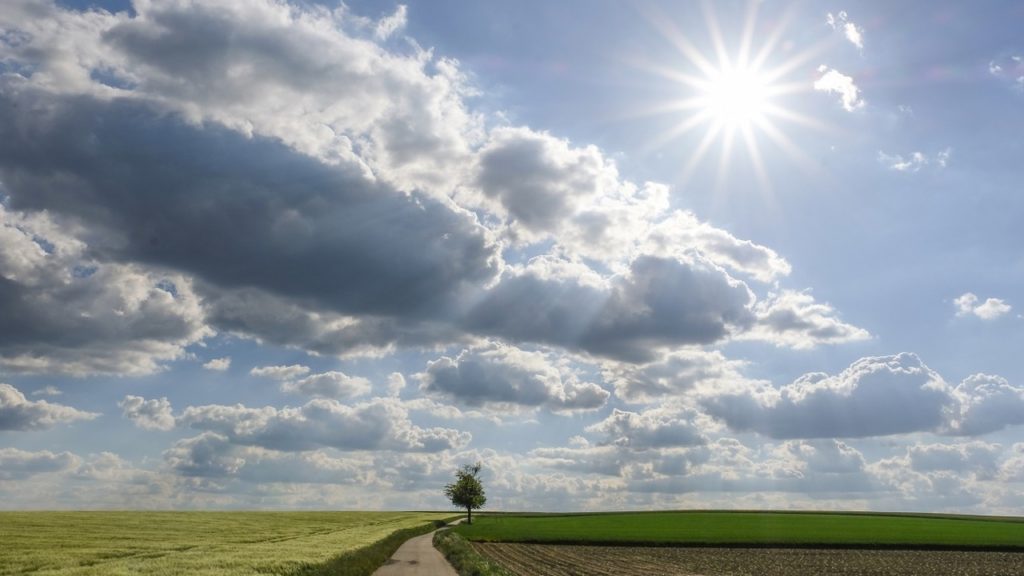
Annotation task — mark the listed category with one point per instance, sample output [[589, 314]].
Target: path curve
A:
[[417, 557]]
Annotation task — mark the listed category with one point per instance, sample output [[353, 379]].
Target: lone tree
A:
[[467, 491]]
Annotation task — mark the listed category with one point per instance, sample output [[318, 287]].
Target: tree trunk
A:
[[469, 514]]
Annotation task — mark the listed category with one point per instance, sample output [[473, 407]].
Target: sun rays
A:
[[732, 95]]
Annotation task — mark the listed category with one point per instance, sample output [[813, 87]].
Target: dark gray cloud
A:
[[20, 413], [660, 302], [873, 397], [235, 211], [380, 424], [507, 375], [64, 312]]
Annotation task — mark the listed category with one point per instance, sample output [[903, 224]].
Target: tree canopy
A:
[[467, 491]]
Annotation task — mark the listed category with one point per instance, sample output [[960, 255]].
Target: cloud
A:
[[832, 81], [148, 414], [218, 364], [47, 391], [655, 428], [796, 320], [280, 372], [987, 404], [211, 455], [379, 424], [990, 309], [19, 413], [979, 457], [673, 375], [66, 312], [500, 375], [660, 302], [1010, 69], [388, 25], [18, 464], [841, 22], [915, 161], [874, 396], [330, 384]]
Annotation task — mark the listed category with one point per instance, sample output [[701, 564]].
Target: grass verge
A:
[[462, 557], [365, 560]]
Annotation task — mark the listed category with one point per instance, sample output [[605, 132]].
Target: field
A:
[[193, 543], [565, 560], [757, 529]]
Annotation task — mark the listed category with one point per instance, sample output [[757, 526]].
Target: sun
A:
[[732, 94], [735, 97]]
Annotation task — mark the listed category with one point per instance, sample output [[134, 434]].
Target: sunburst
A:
[[732, 93]]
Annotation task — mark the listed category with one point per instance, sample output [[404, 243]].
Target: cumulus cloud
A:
[[673, 375], [379, 424], [834, 82], [990, 309], [47, 391], [152, 414], [660, 302], [978, 457], [19, 464], [280, 372], [841, 23], [331, 384], [218, 364], [874, 396], [20, 413], [502, 375], [987, 404], [655, 428], [796, 320], [66, 312], [915, 161]]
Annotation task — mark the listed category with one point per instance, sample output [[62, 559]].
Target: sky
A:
[[284, 255]]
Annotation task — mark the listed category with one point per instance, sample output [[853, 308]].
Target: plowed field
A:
[[563, 560]]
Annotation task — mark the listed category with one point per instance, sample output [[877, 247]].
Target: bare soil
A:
[[561, 560]]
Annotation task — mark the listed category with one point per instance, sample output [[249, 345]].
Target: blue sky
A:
[[271, 255]]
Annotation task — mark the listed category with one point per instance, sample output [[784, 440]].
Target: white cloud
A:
[[47, 391], [396, 383], [218, 364], [379, 424], [654, 428], [391, 24], [841, 22], [875, 396], [18, 464], [332, 384], [280, 372], [987, 404], [1009, 69], [833, 81], [503, 376], [990, 309], [796, 320], [152, 414], [915, 161], [20, 413], [673, 375]]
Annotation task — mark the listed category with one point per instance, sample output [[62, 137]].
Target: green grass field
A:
[[753, 529], [192, 543]]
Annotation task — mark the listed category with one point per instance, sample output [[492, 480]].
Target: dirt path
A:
[[417, 557]]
